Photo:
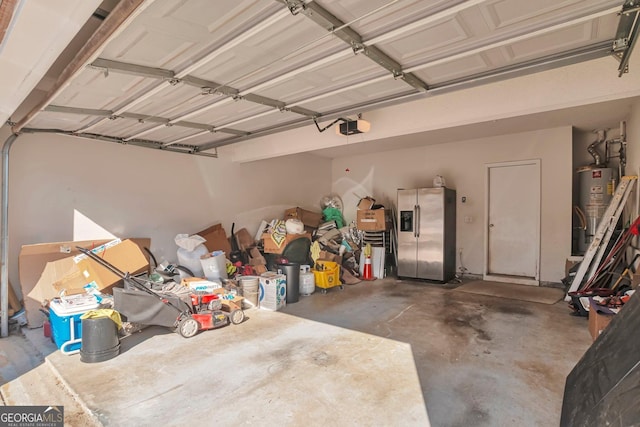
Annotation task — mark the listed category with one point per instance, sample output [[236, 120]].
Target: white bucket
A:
[[214, 266], [250, 286], [307, 280]]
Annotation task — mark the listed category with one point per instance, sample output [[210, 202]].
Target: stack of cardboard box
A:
[[368, 219], [311, 221], [48, 269]]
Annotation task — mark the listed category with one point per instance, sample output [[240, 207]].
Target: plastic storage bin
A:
[[66, 325], [327, 275]]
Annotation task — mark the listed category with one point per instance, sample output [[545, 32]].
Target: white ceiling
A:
[[194, 75]]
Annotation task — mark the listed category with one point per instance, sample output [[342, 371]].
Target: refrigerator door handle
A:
[[417, 221]]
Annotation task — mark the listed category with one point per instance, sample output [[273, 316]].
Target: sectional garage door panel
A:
[[197, 73]]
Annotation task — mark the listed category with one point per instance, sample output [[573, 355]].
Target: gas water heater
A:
[[598, 183]]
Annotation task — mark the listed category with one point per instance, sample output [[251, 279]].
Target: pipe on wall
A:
[[597, 158], [4, 239]]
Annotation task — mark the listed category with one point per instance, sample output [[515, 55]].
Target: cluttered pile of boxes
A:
[[600, 305], [85, 287], [289, 256], [602, 310]]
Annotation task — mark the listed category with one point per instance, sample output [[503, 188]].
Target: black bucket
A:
[[100, 340], [292, 271]]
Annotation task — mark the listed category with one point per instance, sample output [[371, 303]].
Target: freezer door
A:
[[430, 233], [407, 233]]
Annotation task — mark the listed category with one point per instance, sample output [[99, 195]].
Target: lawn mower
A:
[[139, 303]]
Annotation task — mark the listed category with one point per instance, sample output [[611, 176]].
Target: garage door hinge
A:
[[629, 9], [620, 44], [104, 70]]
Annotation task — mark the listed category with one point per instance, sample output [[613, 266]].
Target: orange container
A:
[[327, 274]]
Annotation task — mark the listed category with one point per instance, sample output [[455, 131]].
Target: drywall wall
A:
[[633, 154], [462, 164], [135, 192]]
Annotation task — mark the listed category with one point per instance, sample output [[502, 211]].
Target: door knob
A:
[[490, 225]]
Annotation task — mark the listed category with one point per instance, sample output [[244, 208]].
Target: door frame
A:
[[535, 281]]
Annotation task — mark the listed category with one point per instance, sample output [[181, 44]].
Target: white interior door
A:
[[513, 222]]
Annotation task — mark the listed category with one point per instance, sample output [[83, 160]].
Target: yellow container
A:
[[327, 274]]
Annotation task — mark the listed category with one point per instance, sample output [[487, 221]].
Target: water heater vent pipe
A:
[[597, 158]]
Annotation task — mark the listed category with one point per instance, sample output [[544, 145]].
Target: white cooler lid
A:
[[73, 306]]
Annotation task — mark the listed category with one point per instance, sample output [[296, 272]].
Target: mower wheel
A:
[[188, 327], [236, 316]]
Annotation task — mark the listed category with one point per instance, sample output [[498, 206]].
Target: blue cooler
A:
[[66, 324]]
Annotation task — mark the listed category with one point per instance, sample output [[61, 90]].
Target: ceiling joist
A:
[[331, 23]]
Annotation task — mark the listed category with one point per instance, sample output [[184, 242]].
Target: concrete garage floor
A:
[[378, 353]]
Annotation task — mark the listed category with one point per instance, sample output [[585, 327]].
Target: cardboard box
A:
[[570, 263], [270, 246], [35, 259], [71, 274], [273, 291], [308, 218], [328, 256], [255, 257], [260, 269], [366, 203], [371, 220], [198, 284], [216, 239], [236, 298], [125, 256], [598, 322], [244, 239]]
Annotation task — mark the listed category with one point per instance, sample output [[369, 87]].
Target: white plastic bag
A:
[[294, 226], [189, 243], [190, 249]]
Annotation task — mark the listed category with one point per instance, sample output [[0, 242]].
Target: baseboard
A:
[[556, 285]]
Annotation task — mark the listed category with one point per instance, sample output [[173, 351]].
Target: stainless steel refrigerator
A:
[[427, 233]]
